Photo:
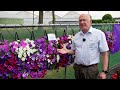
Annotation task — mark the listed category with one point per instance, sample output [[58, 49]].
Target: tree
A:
[[107, 18], [40, 21]]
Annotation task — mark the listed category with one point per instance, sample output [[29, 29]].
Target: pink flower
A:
[[23, 44]]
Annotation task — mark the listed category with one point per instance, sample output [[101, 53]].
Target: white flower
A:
[[27, 40], [70, 41], [31, 51], [58, 39], [18, 41], [51, 63], [28, 53], [70, 37], [47, 55], [17, 50], [23, 58], [48, 60], [19, 55], [33, 45], [20, 50], [24, 49], [24, 55], [58, 58], [34, 50], [27, 47]]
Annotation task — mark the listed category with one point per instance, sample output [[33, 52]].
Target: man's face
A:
[[85, 22]]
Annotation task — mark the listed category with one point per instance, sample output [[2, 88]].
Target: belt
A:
[[87, 65]]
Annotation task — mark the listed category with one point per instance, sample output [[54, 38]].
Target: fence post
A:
[[65, 65], [67, 30], [32, 36], [45, 34], [56, 33], [73, 32], [16, 36]]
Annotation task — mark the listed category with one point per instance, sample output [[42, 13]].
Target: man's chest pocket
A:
[[78, 44], [92, 45]]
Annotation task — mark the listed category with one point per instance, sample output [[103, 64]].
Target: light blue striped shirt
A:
[[88, 52]]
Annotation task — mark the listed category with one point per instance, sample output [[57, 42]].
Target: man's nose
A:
[[82, 21]]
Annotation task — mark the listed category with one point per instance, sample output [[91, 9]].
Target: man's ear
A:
[[91, 20]]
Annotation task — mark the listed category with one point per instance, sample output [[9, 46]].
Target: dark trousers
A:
[[86, 72]]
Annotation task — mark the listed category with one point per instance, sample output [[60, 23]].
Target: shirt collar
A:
[[89, 31]]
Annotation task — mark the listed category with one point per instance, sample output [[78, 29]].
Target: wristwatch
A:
[[105, 71]]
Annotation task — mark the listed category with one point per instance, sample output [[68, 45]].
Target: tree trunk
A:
[[53, 17], [40, 17]]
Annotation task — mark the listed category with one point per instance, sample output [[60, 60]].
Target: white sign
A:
[[51, 36]]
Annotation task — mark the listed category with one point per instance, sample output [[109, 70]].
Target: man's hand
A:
[[63, 50], [102, 75]]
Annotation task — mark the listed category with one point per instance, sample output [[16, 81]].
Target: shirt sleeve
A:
[[73, 45], [103, 46]]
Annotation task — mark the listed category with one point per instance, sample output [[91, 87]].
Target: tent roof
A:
[[71, 14]]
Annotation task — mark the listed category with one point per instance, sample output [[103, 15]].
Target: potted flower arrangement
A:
[[21, 60], [65, 59]]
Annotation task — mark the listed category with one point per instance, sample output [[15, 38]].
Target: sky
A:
[[94, 14]]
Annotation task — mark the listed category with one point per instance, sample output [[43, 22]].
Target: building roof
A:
[[71, 14], [25, 14], [48, 14], [4, 14]]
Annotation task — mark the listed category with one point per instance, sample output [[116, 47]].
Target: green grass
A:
[[60, 74]]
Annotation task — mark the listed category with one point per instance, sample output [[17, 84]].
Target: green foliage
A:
[[108, 21], [107, 17], [97, 21]]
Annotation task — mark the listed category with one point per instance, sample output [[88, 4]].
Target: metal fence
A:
[[24, 31]]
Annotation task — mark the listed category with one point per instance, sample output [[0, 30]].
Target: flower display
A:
[[23, 59], [65, 59], [110, 39], [116, 75], [4, 50], [23, 48], [52, 54], [8, 62]]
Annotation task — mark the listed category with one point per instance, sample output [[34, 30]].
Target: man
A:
[[87, 46]]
